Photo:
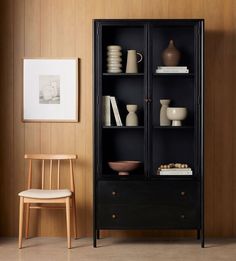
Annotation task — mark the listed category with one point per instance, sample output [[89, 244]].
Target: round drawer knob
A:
[[182, 216], [114, 193], [182, 193], [113, 216]]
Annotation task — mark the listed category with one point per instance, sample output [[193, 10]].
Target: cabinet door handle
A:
[[182, 193], [147, 100], [113, 216], [114, 193]]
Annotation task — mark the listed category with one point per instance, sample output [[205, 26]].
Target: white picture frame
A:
[[50, 90]]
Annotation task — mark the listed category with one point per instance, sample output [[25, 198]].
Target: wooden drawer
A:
[[142, 217], [154, 192]]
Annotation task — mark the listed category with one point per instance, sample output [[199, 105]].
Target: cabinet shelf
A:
[[123, 178], [174, 127], [123, 127], [173, 177], [187, 75], [123, 74]]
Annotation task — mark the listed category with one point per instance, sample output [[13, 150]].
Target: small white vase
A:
[[132, 118], [164, 121]]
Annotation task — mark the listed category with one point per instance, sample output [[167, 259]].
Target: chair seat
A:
[[45, 194]]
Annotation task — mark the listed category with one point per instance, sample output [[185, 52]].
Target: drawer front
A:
[[160, 192], [144, 217]]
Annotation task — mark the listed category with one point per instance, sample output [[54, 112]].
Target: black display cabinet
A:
[[143, 199]]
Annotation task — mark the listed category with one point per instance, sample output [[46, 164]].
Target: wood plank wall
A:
[[63, 28]]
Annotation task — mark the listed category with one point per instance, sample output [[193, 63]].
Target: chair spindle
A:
[[30, 175], [58, 174], [43, 174], [71, 176], [50, 175]]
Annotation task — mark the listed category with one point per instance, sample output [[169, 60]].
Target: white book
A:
[[176, 172], [172, 71], [106, 111], [172, 67], [176, 169], [116, 111]]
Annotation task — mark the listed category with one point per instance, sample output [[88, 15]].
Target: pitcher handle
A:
[[141, 57]]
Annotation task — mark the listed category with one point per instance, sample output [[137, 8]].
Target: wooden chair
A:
[[37, 198]]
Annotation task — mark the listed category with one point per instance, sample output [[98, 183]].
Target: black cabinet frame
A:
[[189, 30]]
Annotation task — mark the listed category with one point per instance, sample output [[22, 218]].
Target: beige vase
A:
[[132, 61], [132, 118], [164, 121], [114, 59]]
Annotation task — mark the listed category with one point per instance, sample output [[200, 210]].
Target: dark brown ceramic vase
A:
[[171, 55]]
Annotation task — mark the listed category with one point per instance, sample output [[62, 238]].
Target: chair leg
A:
[[74, 216], [27, 218], [21, 213], [68, 222]]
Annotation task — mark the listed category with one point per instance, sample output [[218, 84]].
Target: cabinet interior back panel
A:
[[183, 38], [128, 38]]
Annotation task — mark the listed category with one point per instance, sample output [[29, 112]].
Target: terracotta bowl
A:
[[123, 167]]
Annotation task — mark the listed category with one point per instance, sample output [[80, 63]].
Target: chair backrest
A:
[[51, 158]]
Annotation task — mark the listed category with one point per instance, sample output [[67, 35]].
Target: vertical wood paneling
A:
[[63, 44], [227, 115], [18, 128], [184, 12], [6, 112], [46, 51], [58, 23], [32, 48], [63, 28], [45, 225], [85, 39], [224, 131], [233, 54], [219, 171], [210, 63], [84, 174]]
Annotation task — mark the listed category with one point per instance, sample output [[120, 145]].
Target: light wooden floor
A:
[[45, 249]]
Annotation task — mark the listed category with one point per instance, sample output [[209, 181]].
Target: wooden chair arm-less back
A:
[[43, 196], [51, 158]]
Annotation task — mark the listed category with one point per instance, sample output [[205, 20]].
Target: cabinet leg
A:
[[98, 234], [203, 243], [95, 239], [198, 234], [202, 238]]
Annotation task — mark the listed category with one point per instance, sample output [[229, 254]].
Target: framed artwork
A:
[[50, 90]]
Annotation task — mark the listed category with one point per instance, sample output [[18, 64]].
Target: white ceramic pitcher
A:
[[132, 61]]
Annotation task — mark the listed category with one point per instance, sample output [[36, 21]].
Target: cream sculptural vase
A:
[[114, 59], [131, 118], [164, 121], [132, 62]]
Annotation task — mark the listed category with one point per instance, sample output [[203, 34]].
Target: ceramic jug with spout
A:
[[132, 61]]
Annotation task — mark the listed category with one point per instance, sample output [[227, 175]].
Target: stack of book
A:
[[175, 171], [172, 69], [108, 102]]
